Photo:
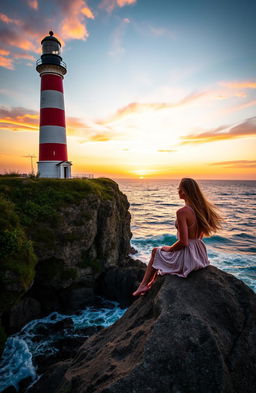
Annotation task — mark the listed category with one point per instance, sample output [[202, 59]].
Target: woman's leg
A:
[[149, 276]]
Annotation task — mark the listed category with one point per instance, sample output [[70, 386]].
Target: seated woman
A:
[[196, 219]]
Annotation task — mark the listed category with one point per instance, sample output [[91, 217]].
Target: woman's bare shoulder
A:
[[182, 211]]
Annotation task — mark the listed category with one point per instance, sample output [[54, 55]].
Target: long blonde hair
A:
[[208, 218]]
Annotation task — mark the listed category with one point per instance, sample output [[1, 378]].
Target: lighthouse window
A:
[[51, 48]]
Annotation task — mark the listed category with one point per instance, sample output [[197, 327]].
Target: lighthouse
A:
[[53, 157]]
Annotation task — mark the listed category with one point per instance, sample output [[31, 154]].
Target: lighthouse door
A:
[[65, 172]]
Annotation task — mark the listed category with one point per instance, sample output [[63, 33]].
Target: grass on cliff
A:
[[30, 211], [39, 200]]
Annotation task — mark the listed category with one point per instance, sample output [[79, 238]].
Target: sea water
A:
[[153, 206], [21, 348]]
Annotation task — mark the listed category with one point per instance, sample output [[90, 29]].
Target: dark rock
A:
[[133, 251], [51, 380], [118, 283], [24, 383], [77, 298], [10, 389], [23, 312], [193, 335]]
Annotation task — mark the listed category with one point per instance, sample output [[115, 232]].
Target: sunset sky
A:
[[155, 88]]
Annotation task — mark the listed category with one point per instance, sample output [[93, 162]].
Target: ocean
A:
[[153, 206]]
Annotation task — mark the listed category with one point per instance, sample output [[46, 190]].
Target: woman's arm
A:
[[183, 233]]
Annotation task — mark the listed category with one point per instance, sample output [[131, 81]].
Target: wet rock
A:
[[23, 312], [194, 335], [133, 251], [118, 283], [77, 298]]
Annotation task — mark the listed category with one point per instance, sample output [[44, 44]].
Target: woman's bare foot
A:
[[141, 290]]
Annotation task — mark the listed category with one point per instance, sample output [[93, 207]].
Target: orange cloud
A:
[[236, 164], [23, 56], [69, 18], [33, 4], [18, 119], [100, 138], [6, 63], [135, 107], [245, 129], [4, 52], [165, 150], [4, 18], [109, 5], [73, 25], [87, 12], [239, 85], [23, 119], [122, 3]]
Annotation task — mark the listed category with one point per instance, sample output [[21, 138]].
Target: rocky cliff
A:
[[57, 238], [194, 335]]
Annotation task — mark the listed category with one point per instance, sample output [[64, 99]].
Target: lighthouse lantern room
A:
[[53, 158]]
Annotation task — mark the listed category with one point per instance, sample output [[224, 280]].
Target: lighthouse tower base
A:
[[55, 169]]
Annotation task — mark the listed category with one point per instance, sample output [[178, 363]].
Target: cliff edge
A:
[[57, 238], [193, 335]]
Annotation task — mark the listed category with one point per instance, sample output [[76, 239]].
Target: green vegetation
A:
[[17, 258]]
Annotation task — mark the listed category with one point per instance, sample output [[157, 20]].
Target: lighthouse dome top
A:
[[50, 38], [51, 45]]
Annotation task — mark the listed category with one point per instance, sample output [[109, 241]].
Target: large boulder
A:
[[194, 335]]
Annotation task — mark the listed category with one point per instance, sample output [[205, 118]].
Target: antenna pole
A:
[[31, 156]]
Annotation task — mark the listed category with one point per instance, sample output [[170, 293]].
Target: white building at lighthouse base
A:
[[54, 169]]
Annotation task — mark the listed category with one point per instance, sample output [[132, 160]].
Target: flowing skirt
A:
[[182, 262]]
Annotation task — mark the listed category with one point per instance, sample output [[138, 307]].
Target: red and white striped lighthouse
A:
[[53, 157]]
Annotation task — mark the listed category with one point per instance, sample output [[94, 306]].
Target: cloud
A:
[[245, 129], [24, 119], [165, 150], [100, 138], [24, 27], [4, 18], [4, 52], [73, 25], [6, 63], [12, 38], [88, 13], [239, 85], [109, 5], [137, 108], [23, 56], [236, 164], [122, 3], [161, 31], [18, 119], [117, 37], [33, 4]]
